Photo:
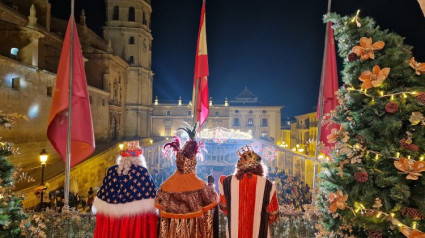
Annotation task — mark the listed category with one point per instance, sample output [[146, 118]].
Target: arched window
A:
[[116, 13], [131, 40], [145, 21], [131, 14], [131, 60]]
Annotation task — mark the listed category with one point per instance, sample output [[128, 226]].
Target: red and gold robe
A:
[[250, 205]]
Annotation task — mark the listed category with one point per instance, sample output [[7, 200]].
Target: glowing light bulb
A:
[[381, 93], [413, 93], [392, 214], [377, 157], [414, 225], [392, 97], [404, 95], [379, 215], [421, 158], [397, 155]]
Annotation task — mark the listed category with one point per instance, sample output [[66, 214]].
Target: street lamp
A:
[[121, 146], [43, 160]]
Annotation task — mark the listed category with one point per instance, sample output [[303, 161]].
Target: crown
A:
[[131, 149], [247, 157]]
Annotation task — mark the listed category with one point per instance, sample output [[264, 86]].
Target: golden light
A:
[[294, 149], [298, 146], [43, 156], [413, 93], [404, 95], [408, 156], [397, 155], [151, 141], [421, 158], [321, 156], [381, 93], [121, 146], [376, 157], [301, 150], [392, 97], [379, 215], [414, 225], [392, 214], [355, 17]]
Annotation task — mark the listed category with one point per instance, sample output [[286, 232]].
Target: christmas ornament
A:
[[374, 78], [407, 144], [410, 167], [375, 234], [418, 67], [411, 233], [366, 48], [361, 177], [416, 118], [352, 57], [421, 98], [337, 201], [413, 213], [391, 107], [378, 204]]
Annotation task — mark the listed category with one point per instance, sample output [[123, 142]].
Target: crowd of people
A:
[[291, 189]]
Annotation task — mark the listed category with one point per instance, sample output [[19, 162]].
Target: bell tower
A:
[[128, 30]]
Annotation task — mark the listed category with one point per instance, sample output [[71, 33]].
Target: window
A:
[[189, 113], [236, 122], [167, 112], [131, 14], [250, 121], [145, 22], [131, 60], [264, 111], [49, 91], [16, 83], [216, 114], [116, 13], [236, 111], [264, 122], [131, 40]]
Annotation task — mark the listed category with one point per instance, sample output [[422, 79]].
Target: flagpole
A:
[[322, 87], [68, 144]]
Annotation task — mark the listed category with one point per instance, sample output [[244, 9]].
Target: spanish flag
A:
[[200, 85]]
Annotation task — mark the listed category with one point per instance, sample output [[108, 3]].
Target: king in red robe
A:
[[124, 205], [248, 198]]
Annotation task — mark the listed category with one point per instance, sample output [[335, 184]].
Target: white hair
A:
[[124, 163]]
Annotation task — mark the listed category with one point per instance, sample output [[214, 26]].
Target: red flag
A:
[[82, 138], [200, 84], [330, 101]]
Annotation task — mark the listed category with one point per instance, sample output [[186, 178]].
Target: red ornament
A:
[[391, 107], [375, 234], [421, 98], [413, 213], [411, 146], [352, 57], [361, 177]]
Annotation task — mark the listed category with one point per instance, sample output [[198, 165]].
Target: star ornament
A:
[[366, 49], [374, 78], [418, 67], [410, 167], [337, 201]]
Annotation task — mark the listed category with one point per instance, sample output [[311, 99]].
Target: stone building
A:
[[245, 113], [118, 73]]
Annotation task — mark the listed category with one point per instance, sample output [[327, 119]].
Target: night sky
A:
[[273, 47]]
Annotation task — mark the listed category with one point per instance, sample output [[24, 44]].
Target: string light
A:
[[408, 156], [397, 155], [421, 158], [404, 95], [392, 97], [377, 157], [379, 215], [392, 215], [381, 93], [414, 225]]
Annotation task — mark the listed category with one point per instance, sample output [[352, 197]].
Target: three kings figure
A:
[[248, 199], [124, 205], [186, 202]]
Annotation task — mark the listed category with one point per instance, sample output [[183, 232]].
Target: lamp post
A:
[[43, 160]]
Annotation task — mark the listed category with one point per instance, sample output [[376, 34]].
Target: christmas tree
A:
[[373, 185], [12, 217]]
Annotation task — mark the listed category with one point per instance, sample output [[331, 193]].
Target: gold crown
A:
[[247, 157]]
